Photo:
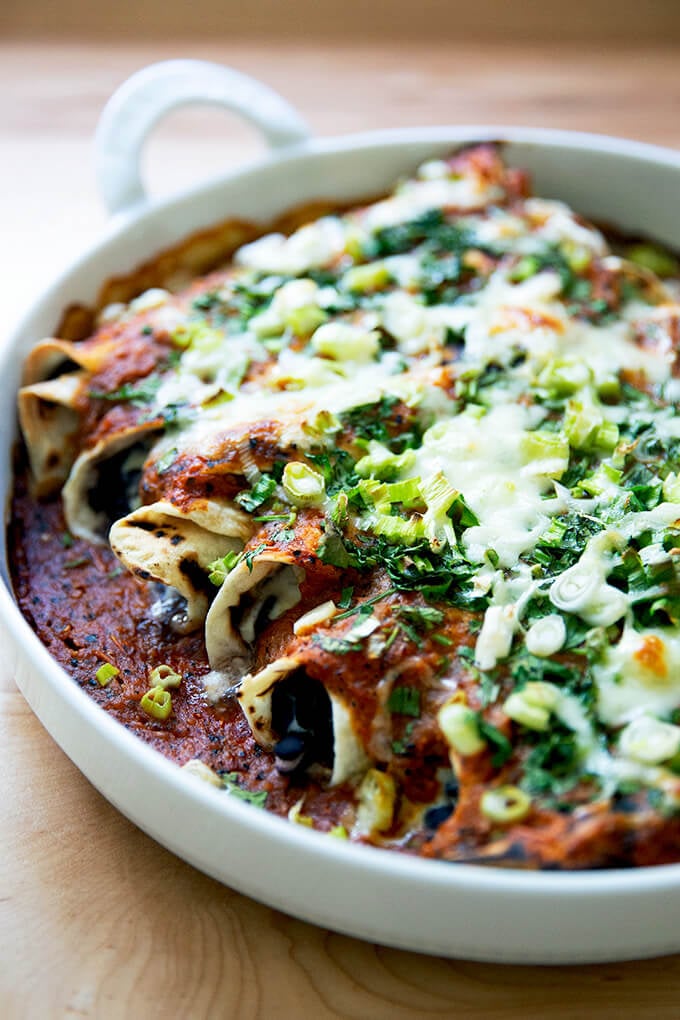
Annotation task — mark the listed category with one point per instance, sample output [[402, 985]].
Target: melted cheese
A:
[[483, 458], [310, 247], [640, 674], [417, 197]]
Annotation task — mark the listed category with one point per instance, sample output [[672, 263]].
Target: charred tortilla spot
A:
[[197, 577]]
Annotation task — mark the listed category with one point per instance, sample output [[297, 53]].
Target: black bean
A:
[[291, 746], [451, 790], [435, 816]]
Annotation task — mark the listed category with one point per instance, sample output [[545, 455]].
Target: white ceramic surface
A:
[[458, 910]]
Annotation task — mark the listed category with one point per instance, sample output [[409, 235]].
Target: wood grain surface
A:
[[366, 19], [96, 920]]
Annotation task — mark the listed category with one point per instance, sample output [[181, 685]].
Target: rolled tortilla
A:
[[269, 584], [83, 494], [165, 543], [52, 358], [50, 423], [256, 694], [54, 375]]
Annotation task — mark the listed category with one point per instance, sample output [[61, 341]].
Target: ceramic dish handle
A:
[[133, 111]]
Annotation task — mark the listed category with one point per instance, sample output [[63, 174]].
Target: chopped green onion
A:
[[532, 705], [577, 255], [439, 496], [157, 702], [546, 636], [164, 676], [220, 568], [381, 463], [562, 378], [459, 725], [295, 815], [605, 479], [325, 423], [505, 804], [545, 453], [343, 342], [397, 529], [581, 423], [586, 428], [657, 260], [302, 484], [671, 488], [303, 321], [526, 267], [376, 802], [407, 492], [607, 436], [198, 335], [372, 276], [106, 673]]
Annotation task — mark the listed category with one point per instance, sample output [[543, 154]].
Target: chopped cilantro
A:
[[140, 393], [231, 781], [425, 617], [337, 470], [502, 748], [332, 550], [335, 645], [79, 561], [405, 701], [370, 421], [250, 556], [253, 498], [166, 460], [553, 765], [402, 746]]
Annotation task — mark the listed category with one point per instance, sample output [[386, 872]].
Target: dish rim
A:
[[33, 655]]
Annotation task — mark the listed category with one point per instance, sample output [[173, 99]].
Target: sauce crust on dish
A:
[[375, 521]]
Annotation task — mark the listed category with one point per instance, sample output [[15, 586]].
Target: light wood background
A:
[[96, 920], [602, 20]]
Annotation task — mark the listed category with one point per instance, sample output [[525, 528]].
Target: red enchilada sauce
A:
[[87, 610]]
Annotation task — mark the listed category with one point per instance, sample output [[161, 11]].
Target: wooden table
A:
[[96, 920]]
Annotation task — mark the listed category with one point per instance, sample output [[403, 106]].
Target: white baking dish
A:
[[458, 910]]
